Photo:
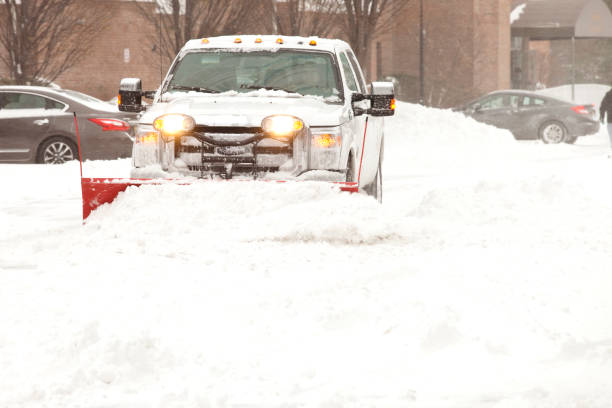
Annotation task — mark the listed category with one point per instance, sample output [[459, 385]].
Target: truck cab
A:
[[263, 107]]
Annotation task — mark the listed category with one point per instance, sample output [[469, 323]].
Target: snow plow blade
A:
[[98, 191]]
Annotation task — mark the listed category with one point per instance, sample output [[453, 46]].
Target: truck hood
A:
[[249, 111]]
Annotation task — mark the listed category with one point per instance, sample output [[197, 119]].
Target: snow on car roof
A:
[[525, 93], [254, 42], [25, 88]]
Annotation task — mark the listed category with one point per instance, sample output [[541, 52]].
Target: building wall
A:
[[492, 42], [467, 51], [125, 49], [504, 44]]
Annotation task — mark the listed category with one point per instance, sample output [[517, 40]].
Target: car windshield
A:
[[301, 72]]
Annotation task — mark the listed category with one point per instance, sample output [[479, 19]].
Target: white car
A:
[[264, 107]]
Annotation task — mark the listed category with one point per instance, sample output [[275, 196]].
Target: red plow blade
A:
[[99, 191]]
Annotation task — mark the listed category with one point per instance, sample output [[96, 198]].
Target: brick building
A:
[[467, 51], [127, 48], [557, 42]]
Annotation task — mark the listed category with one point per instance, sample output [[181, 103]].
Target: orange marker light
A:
[[205, 41], [119, 99], [150, 137], [392, 105], [258, 41], [280, 41], [238, 41], [313, 43], [326, 140]]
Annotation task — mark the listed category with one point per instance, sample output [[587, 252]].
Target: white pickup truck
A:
[[264, 107]]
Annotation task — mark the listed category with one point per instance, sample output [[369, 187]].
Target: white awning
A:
[[562, 19]]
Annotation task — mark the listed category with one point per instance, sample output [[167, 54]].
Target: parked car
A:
[[264, 107], [37, 126], [532, 116]]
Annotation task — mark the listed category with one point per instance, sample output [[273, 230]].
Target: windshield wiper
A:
[[192, 88], [267, 88]]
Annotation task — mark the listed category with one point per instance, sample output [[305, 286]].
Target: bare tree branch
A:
[[364, 20], [305, 17], [45, 38], [182, 20]]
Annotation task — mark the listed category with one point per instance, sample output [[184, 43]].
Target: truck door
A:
[[368, 127]]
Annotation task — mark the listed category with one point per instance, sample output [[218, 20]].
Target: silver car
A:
[[532, 116], [37, 125]]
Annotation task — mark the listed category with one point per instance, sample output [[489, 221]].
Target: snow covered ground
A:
[[483, 280]]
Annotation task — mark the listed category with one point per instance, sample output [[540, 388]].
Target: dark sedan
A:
[[37, 126], [532, 116]]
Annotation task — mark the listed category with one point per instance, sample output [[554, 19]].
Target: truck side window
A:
[[357, 70], [351, 82]]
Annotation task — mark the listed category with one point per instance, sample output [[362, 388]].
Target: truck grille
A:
[[228, 129], [250, 158]]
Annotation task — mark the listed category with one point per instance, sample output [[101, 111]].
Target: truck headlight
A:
[[282, 127], [173, 124]]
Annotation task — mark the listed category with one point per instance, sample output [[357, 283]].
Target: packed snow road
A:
[[483, 280]]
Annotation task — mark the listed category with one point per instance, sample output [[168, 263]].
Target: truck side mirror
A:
[[382, 99], [355, 98], [130, 95]]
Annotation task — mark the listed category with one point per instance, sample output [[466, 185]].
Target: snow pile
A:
[[451, 130], [426, 138], [285, 212], [482, 281]]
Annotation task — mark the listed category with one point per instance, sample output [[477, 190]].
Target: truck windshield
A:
[[305, 73]]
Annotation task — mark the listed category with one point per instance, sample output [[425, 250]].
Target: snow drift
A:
[[482, 281]]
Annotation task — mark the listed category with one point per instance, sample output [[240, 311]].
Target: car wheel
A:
[[57, 150], [553, 133]]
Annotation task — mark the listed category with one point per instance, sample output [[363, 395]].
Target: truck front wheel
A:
[[375, 188], [350, 169]]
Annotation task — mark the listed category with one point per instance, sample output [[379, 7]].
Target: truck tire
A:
[[375, 188]]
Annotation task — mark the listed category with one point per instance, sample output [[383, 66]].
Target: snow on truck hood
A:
[[234, 109]]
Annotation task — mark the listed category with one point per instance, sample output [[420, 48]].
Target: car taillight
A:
[[581, 110], [111, 124]]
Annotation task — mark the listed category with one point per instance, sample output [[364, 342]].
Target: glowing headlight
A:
[[281, 126], [174, 123]]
